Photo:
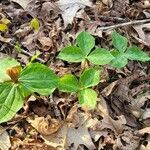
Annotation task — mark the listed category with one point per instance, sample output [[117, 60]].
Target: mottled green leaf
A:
[[11, 101], [119, 61], [86, 42], [3, 27], [35, 24], [90, 77], [69, 83], [100, 56], [119, 42], [87, 98], [38, 78], [72, 54], [135, 53]]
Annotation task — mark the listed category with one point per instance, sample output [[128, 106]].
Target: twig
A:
[[124, 24], [31, 55]]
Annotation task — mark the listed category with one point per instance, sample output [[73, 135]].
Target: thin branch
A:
[[124, 24]]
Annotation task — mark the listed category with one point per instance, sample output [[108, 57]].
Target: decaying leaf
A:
[[80, 136], [4, 140], [22, 3], [45, 126], [70, 8]]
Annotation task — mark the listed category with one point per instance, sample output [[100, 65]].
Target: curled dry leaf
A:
[[127, 141], [57, 140], [45, 43], [45, 126]]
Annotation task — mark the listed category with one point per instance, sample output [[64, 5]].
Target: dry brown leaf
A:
[[115, 125], [22, 3], [143, 36], [144, 130], [127, 141], [79, 136], [70, 8], [45, 126], [57, 140], [45, 43]]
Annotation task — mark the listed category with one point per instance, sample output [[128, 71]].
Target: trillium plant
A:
[[16, 83]]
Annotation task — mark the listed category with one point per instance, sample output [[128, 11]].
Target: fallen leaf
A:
[[4, 141], [45, 126], [57, 140], [70, 8], [22, 3], [80, 136]]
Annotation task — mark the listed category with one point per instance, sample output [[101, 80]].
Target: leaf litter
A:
[[121, 118]]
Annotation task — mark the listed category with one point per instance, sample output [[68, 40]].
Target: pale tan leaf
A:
[[70, 8], [45, 126], [4, 141], [22, 3], [80, 136]]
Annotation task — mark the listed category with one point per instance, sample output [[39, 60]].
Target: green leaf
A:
[[135, 53], [3, 27], [100, 56], [86, 42], [71, 54], [5, 64], [18, 47], [119, 61], [88, 98], [69, 83], [11, 101], [119, 42], [90, 77], [35, 24], [38, 78]]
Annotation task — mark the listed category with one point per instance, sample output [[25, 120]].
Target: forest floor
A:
[[121, 119]]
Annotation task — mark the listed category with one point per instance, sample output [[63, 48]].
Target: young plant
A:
[[123, 53], [17, 83], [83, 51], [86, 96]]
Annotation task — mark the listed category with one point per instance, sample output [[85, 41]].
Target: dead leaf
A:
[[57, 140], [108, 123], [80, 136], [127, 141], [70, 8], [4, 141], [22, 3], [45, 126], [45, 43], [144, 130], [143, 36]]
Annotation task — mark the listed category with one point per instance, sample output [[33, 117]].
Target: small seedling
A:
[[17, 83], [35, 24], [123, 53], [86, 96], [83, 51]]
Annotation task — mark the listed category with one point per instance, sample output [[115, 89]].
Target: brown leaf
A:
[[45, 126], [70, 8], [80, 136]]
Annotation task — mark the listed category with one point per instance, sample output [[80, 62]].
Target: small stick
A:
[[125, 24], [31, 55]]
